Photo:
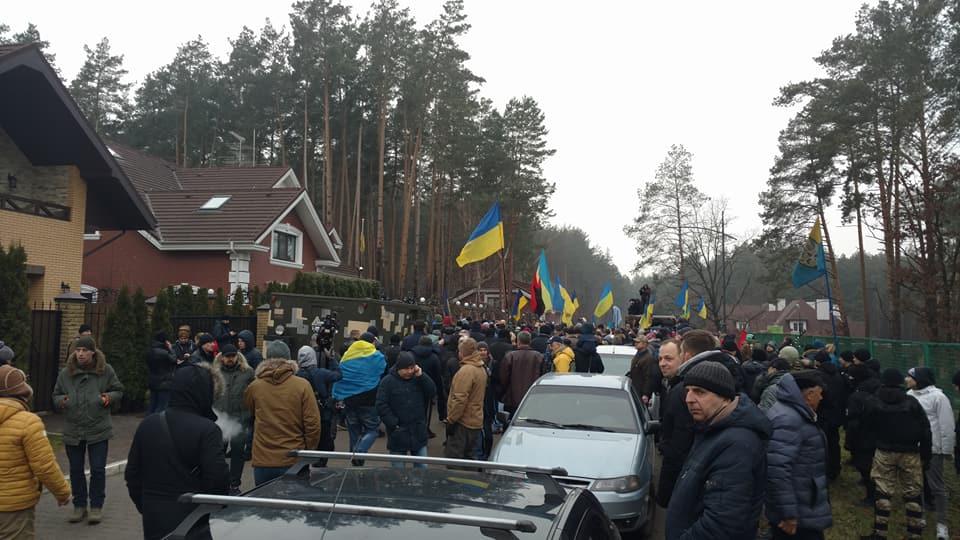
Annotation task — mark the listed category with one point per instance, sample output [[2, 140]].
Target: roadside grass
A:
[[850, 520]]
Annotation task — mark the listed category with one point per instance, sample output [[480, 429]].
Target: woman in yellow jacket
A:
[[26, 458], [562, 355]]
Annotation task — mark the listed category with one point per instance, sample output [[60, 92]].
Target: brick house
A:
[[216, 227], [794, 317], [57, 177]]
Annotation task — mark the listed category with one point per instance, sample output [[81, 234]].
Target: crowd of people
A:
[[750, 433]]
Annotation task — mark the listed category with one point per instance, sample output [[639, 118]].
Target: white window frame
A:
[[798, 326], [293, 231], [239, 274]]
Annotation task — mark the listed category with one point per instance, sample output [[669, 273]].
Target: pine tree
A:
[[220, 303], [31, 34], [15, 307], [124, 344], [160, 320], [183, 304], [237, 307], [99, 89]]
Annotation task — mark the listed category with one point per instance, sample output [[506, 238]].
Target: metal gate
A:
[[44, 356]]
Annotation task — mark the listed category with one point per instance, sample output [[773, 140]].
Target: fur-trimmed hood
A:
[[276, 370], [242, 363], [196, 386], [99, 363]]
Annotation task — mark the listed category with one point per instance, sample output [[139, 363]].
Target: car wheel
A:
[[646, 531]]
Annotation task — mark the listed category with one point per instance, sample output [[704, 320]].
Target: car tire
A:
[[646, 531]]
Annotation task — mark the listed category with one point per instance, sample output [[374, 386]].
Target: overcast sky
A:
[[619, 82]]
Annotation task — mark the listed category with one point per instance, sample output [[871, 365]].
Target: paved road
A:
[[121, 519]]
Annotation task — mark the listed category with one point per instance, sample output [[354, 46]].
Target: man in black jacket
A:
[[177, 452], [205, 350], [427, 356], [860, 440], [402, 399], [677, 436], [832, 410], [247, 344], [539, 343], [413, 339], [585, 352], [904, 449], [160, 367]]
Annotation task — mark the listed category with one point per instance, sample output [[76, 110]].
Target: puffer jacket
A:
[[236, 379], [285, 412], [467, 390], [768, 396], [518, 371], [720, 490], [402, 405], [940, 414], [26, 459], [796, 462], [77, 395], [563, 361]]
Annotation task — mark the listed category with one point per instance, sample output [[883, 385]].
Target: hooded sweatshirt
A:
[[896, 409], [178, 451], [939, 413], [319, 378], [467, 390], [285, 412], [250, 352]]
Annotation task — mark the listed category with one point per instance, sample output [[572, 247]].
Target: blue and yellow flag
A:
[[812, 263], [486, 239], [702, 309], [605, 303], [362, 365], [546, 286], [569, 308], [683, 298], [647, 320], [519, 303]]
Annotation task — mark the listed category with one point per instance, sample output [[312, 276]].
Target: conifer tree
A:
[[99, 89]]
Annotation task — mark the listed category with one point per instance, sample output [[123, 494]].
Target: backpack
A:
[[547, 365]]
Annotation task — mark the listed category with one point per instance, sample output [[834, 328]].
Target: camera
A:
[[326, 330]]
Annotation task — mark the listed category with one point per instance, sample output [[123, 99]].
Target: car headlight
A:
[[623, 484]]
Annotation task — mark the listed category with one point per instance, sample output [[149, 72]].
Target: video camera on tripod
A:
[[325, 330]]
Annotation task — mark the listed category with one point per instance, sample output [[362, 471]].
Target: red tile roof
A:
[[231, 177], [148, 173], [243, 218]]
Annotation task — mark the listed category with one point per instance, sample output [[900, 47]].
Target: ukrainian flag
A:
[[546, 286], [605, 303], [647, 321], [683, 299], [702, 309], [569, 308], [362, 365], [486, 239], [518, 305]]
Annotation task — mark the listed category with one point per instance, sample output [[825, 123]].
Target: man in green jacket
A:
[[85, 390]]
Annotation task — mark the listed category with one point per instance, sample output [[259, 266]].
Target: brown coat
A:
[[465, 404], [518, 371], [26, 459], [285, 411]]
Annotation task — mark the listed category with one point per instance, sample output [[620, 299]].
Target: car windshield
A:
[[578, 408], [616, 364]]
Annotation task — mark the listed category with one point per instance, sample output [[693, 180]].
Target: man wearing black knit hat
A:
[[719, 492]]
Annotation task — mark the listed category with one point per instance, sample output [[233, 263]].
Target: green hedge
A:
[[327, 285]]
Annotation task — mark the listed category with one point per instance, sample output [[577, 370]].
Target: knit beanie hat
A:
[[207, 338], [891, 377], [923, 375], [278, 349], [86, 342], [790, 354], [13, 384], [405, 360], [6, 354], [712, 376]]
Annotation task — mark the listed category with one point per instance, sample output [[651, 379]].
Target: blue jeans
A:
[[98, 475], [422, 452], [159, 400], [263, 475], [362, 423]]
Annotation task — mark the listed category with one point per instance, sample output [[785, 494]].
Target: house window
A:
[[215, 202], [287, 248], [284, 247], [798, 327]]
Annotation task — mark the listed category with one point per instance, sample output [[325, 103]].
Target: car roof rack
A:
[[212, 503], [313, 455], [554, 491]]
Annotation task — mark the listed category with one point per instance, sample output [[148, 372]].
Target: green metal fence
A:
[[943, 358]]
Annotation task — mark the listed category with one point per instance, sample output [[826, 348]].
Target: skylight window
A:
[[215, 202]]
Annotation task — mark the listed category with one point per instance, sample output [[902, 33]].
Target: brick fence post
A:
[[263, 320], [73, 310]]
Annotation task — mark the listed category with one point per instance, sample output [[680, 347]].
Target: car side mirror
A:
[[652, 427]]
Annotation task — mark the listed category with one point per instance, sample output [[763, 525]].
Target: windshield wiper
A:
[[587, 427], [539, 422]]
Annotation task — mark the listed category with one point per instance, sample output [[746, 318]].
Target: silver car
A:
[[616, 361], [597, 429]]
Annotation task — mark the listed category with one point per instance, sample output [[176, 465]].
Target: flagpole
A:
[[833, 321]]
